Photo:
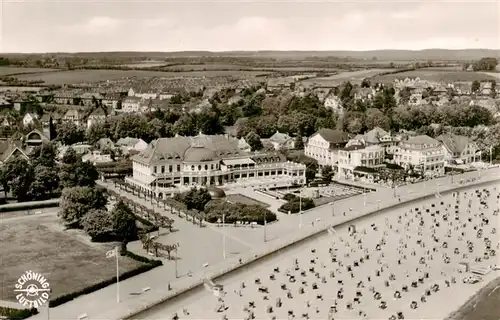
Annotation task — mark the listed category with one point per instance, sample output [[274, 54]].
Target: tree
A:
[[68, 134], [197, 199], [299, 142], [485, 64], [76, 202], [70, 156], [327, 173], [45, 182], [78, 174], [124, 222], [376, 118], [476, 85], [185, 126], [98, 224], [365, 83], [97, 131], [254, 141], [44, 155], [18, 176]]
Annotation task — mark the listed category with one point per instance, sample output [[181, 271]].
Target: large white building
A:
[[169, 163], [324, 146], [359, 155], [422, 153]]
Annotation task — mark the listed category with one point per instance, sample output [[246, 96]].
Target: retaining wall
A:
[[29, 205], [258, 255]]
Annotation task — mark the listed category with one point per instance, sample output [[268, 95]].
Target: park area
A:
[[239, 198], [68, 259], [435, 75]]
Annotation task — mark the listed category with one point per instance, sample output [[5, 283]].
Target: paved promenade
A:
[[200, 245]]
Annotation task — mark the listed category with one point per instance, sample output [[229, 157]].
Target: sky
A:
[[162, 25]]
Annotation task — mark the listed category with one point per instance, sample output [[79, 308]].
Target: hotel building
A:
[[168, 164]]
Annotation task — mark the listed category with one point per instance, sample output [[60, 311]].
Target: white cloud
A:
[[94, 26]]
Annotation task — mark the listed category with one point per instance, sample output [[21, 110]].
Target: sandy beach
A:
[[405, 264]]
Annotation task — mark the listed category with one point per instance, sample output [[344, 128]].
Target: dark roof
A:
[[333, 136], [354, 147], [454, 143]]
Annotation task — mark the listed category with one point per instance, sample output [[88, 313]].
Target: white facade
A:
[[319, 149], [359, 156], [170, 163], [131, 105], [28, 119], [422, 153]]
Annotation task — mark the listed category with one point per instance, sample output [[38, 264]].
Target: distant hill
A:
[[392, 55]]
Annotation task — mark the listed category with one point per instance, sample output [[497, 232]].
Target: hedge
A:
[[149, 264], [294, 205], [234, 212], [17, 314], [29, 205]]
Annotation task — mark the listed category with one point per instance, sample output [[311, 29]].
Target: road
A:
[[203, 245]]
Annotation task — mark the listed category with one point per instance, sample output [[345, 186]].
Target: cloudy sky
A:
[[162, 25]]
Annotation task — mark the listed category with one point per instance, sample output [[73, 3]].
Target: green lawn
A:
[[239, 198]]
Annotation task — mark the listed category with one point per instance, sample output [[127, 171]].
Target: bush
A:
[[294, 205], [393, 166], [289, 197], [21, 206], [17, 314], [149, 264], [237, 212]]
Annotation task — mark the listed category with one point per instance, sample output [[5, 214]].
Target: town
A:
[[248, 184]]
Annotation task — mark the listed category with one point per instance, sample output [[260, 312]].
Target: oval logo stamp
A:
[[33, 290]]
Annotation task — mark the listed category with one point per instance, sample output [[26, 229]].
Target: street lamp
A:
[[364, 196], [175, 261], [300, 208], [223, 236], [265, 225]]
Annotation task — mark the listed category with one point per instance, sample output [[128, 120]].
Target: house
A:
[[29, 119], [282, 141], [96, 156], [10, 149], [243, 145], [324, 145], [459, 149], [376, 136], [131, 105], [275, 84], [73, 116], [131, 144], [462, 88], [142, 93], [485, 88], [34, 138], [4, 122], [359, 155], [105, 144], [415, 99], [97, 116], [422, 153], [111, 100], [333, 102]]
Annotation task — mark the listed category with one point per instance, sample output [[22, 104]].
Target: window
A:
[[206, 167], [154, 169], [212, 166], [192, 168], [162, 169], [178, 167], [199, 167], [169, 168]]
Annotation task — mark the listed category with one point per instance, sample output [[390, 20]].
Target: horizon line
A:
[[250, 51]]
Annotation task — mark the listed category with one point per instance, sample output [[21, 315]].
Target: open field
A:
[[435, 75], [146, 64], [496, 75], [85, 76], [355, 77], [406, 260], [5, 71], [239, 198], [228, 66], [67, 259]]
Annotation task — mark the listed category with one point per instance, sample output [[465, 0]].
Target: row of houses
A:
[[420, 152]]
